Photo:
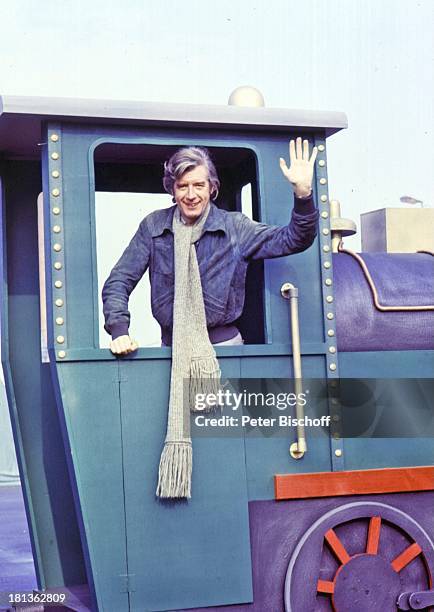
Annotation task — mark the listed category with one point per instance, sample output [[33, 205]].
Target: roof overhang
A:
[[21, 118]]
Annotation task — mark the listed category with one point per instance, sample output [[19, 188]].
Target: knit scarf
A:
[[194, 363]]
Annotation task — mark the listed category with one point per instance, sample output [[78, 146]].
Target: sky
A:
[[371, 59]]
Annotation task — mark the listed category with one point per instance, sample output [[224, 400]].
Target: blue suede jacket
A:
[[229, 241]]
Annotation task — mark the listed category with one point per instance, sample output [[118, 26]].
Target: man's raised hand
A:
[[123, 345], [300, 171]]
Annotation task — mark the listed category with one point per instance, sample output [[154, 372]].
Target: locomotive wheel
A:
[[359, 558]]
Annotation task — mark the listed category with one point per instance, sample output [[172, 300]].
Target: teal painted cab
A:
[[114, 411]]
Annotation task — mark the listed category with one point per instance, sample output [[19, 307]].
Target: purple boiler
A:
[[401, 280]]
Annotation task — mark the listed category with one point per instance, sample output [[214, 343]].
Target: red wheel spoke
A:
[[406, 556], [325, 586], [373, 535], [337, 546]]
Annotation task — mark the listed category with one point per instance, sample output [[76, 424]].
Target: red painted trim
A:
[[357, 482]]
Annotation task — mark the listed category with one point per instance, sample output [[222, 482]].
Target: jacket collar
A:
[[162, 220]]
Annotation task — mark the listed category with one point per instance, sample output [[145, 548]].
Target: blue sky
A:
[[370, 59]]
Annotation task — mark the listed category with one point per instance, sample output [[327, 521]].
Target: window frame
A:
[[161, 143]]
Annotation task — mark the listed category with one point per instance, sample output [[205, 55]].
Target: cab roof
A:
[[21, 118]]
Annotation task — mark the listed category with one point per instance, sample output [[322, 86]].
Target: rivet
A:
[[332, 349], [336, 417], [334, 400], [59, 320], [56, 210], [328, 282], [321, 163], [321, 147], [58, 284], [59, 302], [326, 231], [331, 332], [326, 248], [54, 137], [61, 354], [323, 198], [324, 214], [332, 367], [338, 452], [323, 181], [57, 247], [330, 316], [57, 265], [327, 265], [55, 192], [336, 436], [60, 339], [56, 229], [56, 174], [54, 155], [329, 299]]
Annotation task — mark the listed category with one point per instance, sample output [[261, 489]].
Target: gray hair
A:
[[187, 159]]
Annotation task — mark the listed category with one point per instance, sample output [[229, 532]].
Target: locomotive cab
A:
[[264, 530]]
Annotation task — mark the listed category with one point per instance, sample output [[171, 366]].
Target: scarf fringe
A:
[[174, 474], [205, 377]]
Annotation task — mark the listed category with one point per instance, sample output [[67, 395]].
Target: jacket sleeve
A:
[[261, 241], [122, 280]]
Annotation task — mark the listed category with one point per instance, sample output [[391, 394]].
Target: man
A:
[[197, 256], [228, 242]]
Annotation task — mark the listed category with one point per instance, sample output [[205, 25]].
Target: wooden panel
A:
[[92, 420], [39, 446], [182, 554], [360, 482]]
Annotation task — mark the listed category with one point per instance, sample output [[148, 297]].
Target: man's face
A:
[[192, 193]]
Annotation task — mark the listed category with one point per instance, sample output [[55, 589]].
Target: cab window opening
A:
[[128, 187]]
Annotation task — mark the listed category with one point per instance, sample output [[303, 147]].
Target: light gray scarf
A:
[[193, 360]]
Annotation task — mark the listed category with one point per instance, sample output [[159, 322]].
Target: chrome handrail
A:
[[290, 292]]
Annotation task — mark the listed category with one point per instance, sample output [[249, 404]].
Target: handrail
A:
[[290, 292]]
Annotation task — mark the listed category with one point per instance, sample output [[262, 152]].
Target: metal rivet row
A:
[[55, 190], [325, 259]]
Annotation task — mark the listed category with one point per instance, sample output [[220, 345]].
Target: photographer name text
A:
[[248, 421]]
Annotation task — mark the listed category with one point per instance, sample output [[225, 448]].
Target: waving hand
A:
[[300, 171]]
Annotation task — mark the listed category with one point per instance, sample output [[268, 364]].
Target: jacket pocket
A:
[[213, 302], [163, 259], [215, 310], [162, 295]]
